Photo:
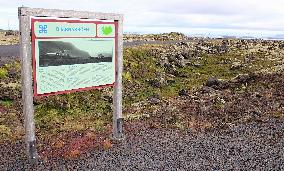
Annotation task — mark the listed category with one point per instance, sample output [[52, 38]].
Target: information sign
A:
[[72, 55]]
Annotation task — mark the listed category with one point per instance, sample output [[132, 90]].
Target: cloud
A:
[[222, 14], [261, 15]]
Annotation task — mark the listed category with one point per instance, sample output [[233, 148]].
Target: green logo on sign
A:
[[107, 30]]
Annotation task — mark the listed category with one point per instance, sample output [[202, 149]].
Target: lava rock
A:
[[213, 82], [180, 61], [206, 89], [183, 92], [246, 78]]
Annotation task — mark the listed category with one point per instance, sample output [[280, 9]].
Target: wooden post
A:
[[117, 98], [27, 90]]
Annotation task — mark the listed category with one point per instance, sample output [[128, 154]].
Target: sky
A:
[[259, 18]]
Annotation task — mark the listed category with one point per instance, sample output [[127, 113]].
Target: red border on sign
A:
[[33, 20]]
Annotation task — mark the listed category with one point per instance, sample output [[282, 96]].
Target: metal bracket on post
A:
[[118, 135], [33, 156], [119, 126]]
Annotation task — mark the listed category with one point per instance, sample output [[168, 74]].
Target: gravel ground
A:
[[252, 146], [8, 53]]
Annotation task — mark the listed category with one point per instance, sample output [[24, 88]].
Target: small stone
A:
[[180, 62], [107, 144], [183, 92], [159, 81], [197, 64], [171, 58], [236, 65], [154, 100]]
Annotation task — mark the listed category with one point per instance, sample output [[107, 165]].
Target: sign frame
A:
[[115, 37], [25, 14]]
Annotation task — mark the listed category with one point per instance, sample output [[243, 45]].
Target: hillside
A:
[[203, 85]]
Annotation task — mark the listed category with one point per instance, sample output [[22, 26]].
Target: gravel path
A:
[[253, 146], [9, 50]]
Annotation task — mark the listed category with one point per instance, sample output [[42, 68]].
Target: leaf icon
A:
[[107, 30]]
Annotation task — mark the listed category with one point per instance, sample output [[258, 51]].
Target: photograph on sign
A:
[[71, 56], [74, 51]]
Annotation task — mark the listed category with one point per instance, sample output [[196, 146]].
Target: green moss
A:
[[47, 118], [139, 68], [140, 64], [277, 114], [127, 76], [142, 67], [98, 125], [3, 73], [12, 66], [6, 103], [173, 88], [5, 132], [217, 66], [74, 111], [103, 108]]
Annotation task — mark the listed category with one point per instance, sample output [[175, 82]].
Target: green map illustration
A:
[[107, 30]]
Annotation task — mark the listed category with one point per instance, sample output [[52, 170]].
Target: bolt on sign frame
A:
[[31, 61]]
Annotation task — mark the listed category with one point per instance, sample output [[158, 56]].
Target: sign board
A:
[[70, 51], [72, 55]]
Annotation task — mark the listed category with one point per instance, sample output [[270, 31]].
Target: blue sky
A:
[[209, 17]]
